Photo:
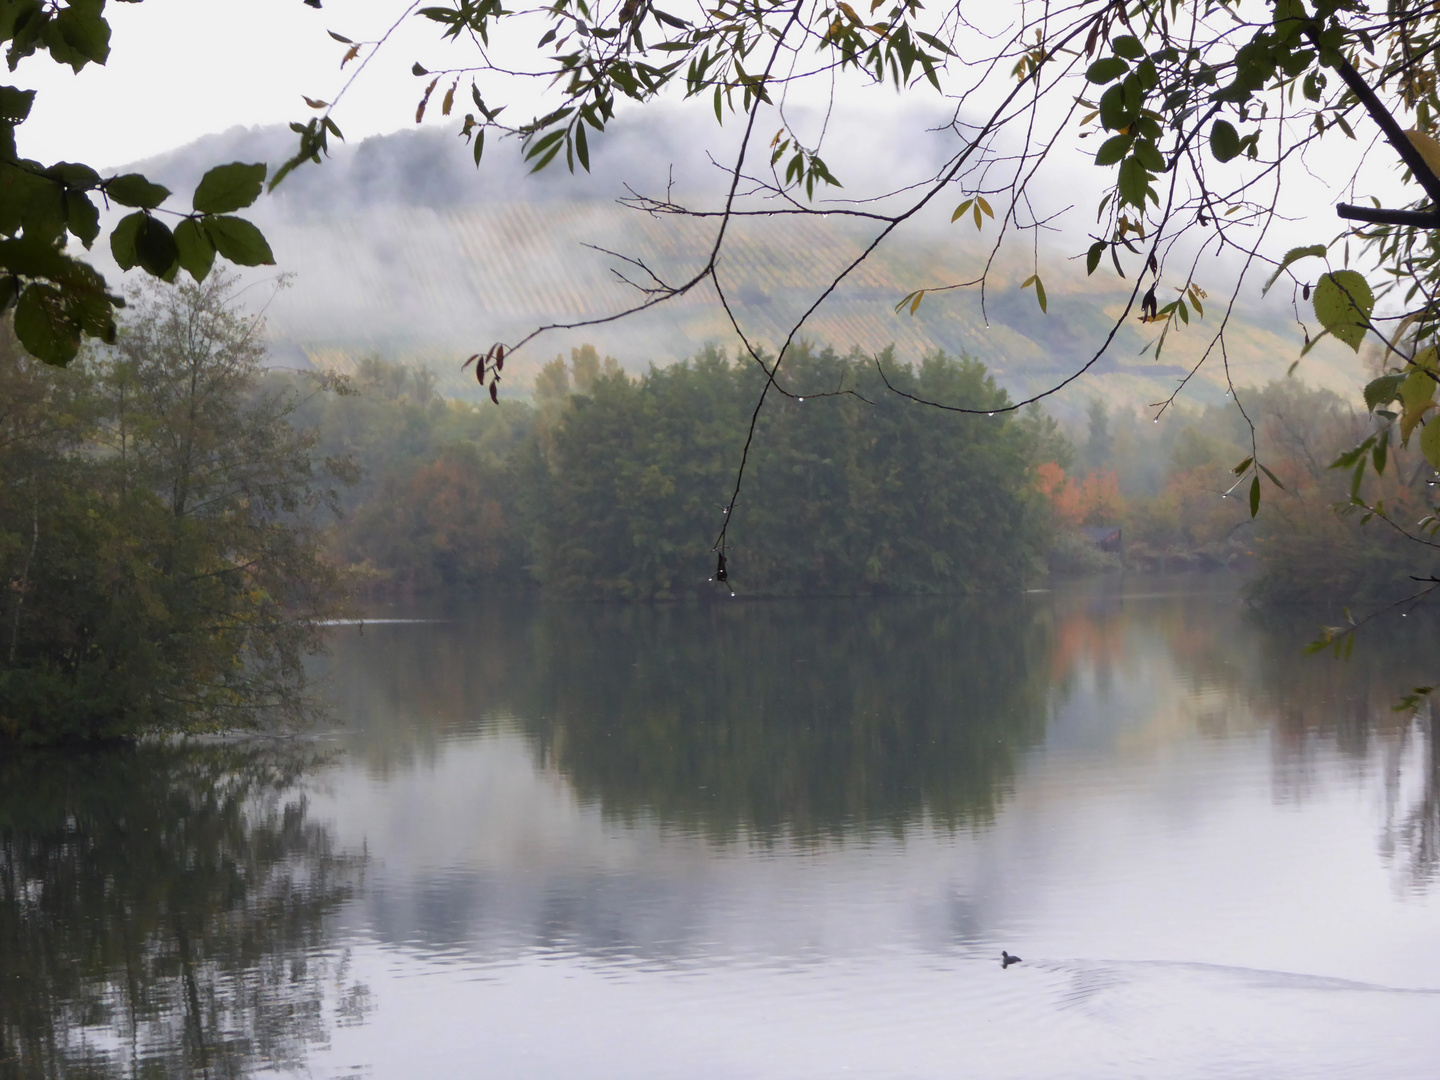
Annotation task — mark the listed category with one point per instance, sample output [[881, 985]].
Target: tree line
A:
[[1172, 488], [612, 486]]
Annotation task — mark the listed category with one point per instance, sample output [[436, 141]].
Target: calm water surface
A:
[[759, 840]]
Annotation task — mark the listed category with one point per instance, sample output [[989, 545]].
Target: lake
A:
[[759, 840]]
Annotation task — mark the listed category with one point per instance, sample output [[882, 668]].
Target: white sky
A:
[[180, 69]]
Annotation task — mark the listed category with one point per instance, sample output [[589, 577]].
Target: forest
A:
[[612, 486], [162, 536]]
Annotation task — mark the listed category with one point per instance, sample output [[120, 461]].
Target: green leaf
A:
[[1290, 18], [15, 104], [155, 248], [1383, 390], [1034, 279], [36, 203], [74, 175], [1113, 113], [1107, 69], [1343, 302], [229, 187], [582, 149], [1353, 456], [239, 241], [1150, 157], [1273, 478], [132, 189], [1092, 257], [122, 240], [1128, 47], [1133, 183], [79, 35], [1224, 141], [1239, 470], [960, 210], [1254, 496], [43, 325], [82, 217], [196, 251], [1113, 149], [1292, 256]]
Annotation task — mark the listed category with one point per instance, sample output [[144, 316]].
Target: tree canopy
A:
[[159, 538]]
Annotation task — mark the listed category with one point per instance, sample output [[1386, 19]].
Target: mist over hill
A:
[[399, 245]]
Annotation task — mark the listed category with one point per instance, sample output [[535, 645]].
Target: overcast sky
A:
[[182, 68]]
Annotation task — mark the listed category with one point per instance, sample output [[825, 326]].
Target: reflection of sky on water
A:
[[1204, 845], [1196, 893]]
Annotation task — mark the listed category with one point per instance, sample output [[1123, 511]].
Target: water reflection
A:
[[811, 719], [163, 913], [759, 840]]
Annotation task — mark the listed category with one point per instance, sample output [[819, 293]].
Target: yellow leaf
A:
[[1429, 148], [849, 13], [1405, 324], [983, 205], [915, 304], [315, 104], [1417, 394], [960, 210], [449, 101], [1430, 443], [1410, 419]]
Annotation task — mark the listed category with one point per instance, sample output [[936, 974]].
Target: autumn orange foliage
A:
[[1094, 500]]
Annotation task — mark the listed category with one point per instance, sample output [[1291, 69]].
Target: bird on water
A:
[[1006, 959]]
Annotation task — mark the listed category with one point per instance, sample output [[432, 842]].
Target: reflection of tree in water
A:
[[1312, 704], [1254, 668], [1416, 827], [808, 718], [162, 909], [1349, 704], [804, 717]]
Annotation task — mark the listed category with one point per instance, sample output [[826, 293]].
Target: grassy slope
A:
[[398, 246]]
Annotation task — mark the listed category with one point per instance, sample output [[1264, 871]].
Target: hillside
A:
[[399, 246]]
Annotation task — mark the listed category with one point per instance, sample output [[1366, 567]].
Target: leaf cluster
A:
[[58, 299]]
